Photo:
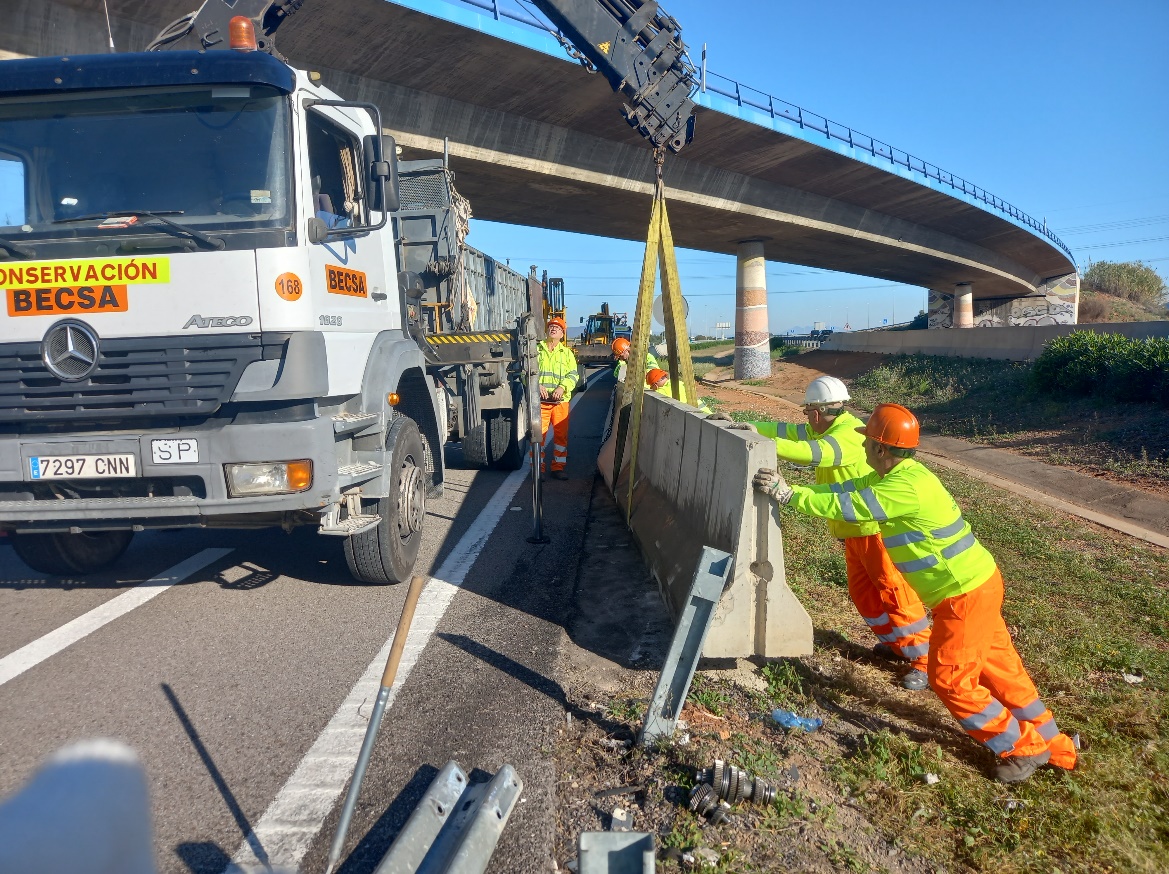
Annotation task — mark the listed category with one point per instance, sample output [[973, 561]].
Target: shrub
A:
[[1107, 365], [1130, 280], [1094, 309]]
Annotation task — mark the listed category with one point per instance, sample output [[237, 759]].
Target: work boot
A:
[[1016, 769], [885, 651], [559, 474], [915, 681]]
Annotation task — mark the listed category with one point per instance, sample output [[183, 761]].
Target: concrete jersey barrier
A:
[[693, 489], [1008, 344]]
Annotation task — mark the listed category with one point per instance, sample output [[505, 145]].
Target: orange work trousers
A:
[[975, 670], [556, 415], [885, 600]]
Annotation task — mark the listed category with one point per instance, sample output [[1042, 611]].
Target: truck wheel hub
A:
[[411, 500]]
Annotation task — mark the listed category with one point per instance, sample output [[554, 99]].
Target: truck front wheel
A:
[[386, 554], [61, 554]]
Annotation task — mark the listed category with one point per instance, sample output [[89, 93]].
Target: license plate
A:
[[81, 466], [174, 451]]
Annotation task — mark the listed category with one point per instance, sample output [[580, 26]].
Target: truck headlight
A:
[[268, 478]]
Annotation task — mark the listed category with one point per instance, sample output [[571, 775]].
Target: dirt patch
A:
[[812, 825]]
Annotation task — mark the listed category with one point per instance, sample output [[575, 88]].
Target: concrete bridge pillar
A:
[[964, 305], [752, 337]]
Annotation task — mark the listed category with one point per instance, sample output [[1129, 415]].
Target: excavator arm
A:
[[632, 43]]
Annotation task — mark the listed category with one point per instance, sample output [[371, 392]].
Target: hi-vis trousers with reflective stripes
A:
[[555, 415], [885, 600], [975, 670]]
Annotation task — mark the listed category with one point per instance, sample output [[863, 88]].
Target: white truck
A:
[[223, 309]]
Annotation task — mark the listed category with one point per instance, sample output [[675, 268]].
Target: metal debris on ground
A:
[[736, 785], [705, 802], [620, 820], [707, 857], [615, 853]]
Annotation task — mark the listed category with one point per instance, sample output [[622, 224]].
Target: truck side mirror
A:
[[382, 158], [317, 230]]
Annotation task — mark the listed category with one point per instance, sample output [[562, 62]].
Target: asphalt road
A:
[[231, 681]]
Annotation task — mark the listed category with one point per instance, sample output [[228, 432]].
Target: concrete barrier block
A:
[[692, 489]]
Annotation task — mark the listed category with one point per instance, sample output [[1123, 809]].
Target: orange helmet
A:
[[620, 346], [654, 376], [558, 322], [893, 425]]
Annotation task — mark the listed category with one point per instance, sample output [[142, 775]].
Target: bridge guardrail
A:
[[753, 98]]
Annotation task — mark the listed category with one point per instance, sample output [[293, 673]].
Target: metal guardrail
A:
[[753, 98]]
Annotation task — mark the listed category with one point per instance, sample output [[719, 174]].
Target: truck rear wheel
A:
[[509, 439], [61, 553], [386, 554]]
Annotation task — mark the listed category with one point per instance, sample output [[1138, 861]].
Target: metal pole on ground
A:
[[375, 718]]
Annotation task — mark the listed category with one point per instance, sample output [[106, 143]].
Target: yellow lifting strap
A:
[[659, 252]]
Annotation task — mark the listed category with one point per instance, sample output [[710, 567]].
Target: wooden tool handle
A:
[[416, 585]]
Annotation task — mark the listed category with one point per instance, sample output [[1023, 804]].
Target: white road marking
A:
[[285, 832], [32, 654]]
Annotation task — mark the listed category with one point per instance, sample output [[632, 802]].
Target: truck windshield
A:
[[214, 157]]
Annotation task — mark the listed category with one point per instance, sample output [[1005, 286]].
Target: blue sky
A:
[[1061, 108]]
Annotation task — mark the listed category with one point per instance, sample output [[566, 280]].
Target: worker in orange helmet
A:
[[973, 666], [829, 442], [558, 378], [622, 349], [660, 381]]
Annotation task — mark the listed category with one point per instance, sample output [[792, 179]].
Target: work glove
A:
[[743, 426], [772, 484], [719, 417]]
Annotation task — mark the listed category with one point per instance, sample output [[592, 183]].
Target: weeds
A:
[[705, 694], [785, 686]]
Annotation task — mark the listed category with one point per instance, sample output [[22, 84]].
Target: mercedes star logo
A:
[[69, 350]]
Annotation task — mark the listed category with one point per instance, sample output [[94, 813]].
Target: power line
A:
[[1116, 225], [1123, 243]]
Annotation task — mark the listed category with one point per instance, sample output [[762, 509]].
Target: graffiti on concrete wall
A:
[[941, 309], [1054, 303]]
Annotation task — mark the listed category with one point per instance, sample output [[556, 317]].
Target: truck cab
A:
[[203, 320]]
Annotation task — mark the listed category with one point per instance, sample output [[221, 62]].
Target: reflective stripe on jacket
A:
[[838, 455], [557, 368], [620, 367], [923, 529]]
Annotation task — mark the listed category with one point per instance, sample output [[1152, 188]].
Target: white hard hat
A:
[[826, 390]]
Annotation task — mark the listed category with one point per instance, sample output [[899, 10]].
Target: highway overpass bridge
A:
[[536, 140]]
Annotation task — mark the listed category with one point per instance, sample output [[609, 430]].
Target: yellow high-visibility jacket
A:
[[838, 455], [668, 390], [619, 368], [557, 368], [921, 525]]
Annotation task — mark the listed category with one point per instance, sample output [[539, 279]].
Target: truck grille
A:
[[135, 378]]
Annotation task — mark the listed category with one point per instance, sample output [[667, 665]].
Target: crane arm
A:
[[639, 49]]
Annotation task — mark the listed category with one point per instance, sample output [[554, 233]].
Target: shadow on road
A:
[[208, 852]]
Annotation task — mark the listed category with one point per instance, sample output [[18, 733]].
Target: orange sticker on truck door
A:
[[342, 280], [62, 300]]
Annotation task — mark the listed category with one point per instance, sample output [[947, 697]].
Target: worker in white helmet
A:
[[830, 442]]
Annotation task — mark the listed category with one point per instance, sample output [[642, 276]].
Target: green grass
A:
[[995, 402], [1083, 606], [705, 693]]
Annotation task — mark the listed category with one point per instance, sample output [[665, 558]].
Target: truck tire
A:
[[476, 446], [386, 554], [61, 553], [508, 448]]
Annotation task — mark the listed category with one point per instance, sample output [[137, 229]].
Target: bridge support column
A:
[[963, 305], [752, 337]]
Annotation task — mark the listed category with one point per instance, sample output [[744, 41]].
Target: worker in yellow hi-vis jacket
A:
[[829, 442], [558, 377], [973, 665]]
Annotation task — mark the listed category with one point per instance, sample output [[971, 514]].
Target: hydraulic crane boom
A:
[[639, 49], [632, 43]]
